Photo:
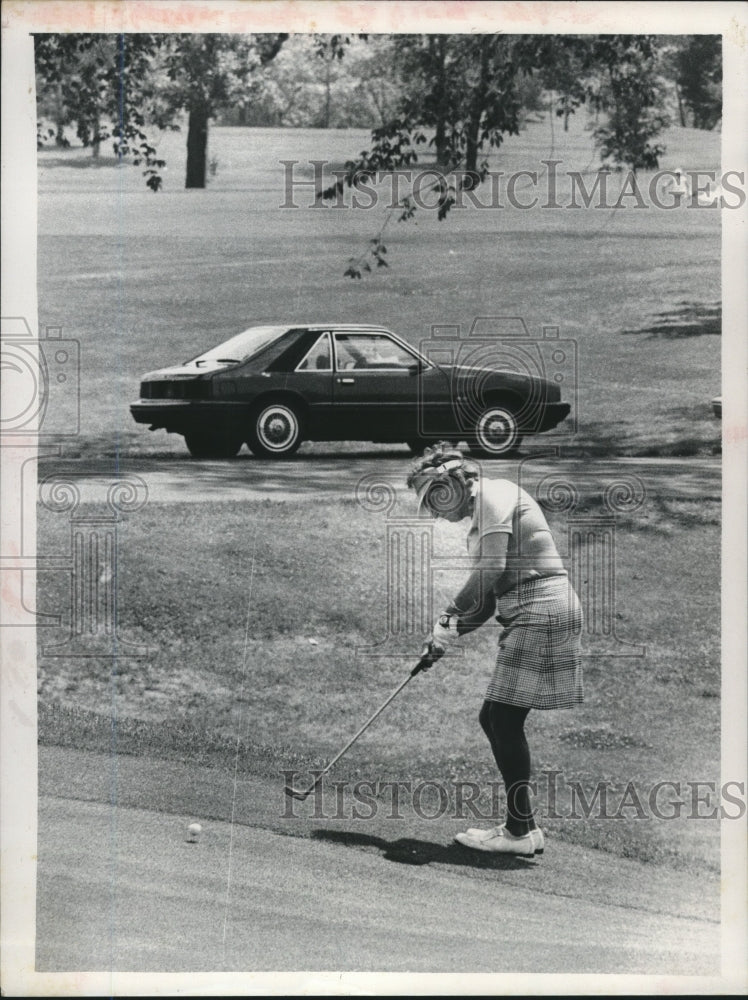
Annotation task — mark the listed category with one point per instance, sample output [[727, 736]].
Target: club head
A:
[[293, 794]]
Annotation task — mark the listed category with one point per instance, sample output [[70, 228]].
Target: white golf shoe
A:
[[538, 840], [498, 841]]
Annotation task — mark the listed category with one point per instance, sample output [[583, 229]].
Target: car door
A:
[[311, 378], [375, 386]]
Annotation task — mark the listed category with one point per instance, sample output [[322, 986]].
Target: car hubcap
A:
[[497, 431], [277, 428]]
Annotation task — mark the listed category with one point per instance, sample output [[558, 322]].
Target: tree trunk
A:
[[471, 147], [95, 141], [440, 95], [326, 123], [477, 105], [60, 118], [439, 143], [197, 146], [681, 110]]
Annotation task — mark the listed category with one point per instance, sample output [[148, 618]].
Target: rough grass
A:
[[258, 623]]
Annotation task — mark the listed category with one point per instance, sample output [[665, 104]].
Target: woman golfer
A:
[[517, 575]]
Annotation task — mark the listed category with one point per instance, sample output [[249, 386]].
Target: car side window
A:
[[318, 358], [371, 351]]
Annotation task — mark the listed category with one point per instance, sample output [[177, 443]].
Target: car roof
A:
[[337, 326]]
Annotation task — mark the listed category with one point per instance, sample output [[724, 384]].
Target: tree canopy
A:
[[103, 85], [120, 86], [453, 97]]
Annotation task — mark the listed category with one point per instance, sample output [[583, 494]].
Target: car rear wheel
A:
[[212, 444], [276, 431], [496, 433]]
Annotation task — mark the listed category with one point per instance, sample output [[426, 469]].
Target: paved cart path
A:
[[173, 478]]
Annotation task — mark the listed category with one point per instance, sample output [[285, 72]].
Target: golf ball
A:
[[193, 831]]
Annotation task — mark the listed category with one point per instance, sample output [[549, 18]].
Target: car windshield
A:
[[242, 346]]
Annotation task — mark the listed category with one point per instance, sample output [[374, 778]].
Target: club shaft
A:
[[419, 666], [363, 729]]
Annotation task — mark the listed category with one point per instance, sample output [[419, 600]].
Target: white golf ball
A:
[[194, 830]]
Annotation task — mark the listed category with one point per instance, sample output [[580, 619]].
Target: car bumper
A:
[[552, 415], [161, 412], [180, 415]]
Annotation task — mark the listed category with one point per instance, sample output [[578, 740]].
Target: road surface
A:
[[172, 478]]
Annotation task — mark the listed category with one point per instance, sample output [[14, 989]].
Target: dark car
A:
[[275, 386]]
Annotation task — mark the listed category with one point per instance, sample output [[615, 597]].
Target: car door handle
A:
[[346, 381]]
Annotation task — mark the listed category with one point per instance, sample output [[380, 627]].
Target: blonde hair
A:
[[442, 478], [442, 458]]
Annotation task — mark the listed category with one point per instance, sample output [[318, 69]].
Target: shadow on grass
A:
[[409, 851], [78, 162], [678, 432], [689, 319]]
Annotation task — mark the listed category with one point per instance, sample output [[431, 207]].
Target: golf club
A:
[[295, 793]]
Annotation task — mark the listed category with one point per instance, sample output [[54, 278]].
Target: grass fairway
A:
[[144, 280], [230, 615]]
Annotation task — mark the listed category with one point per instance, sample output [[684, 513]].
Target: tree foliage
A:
[[101, 84], [117, 86], [206, 72], [451, 99], [463, 97], [464, 90], [465, 93], [310, 85], [632, 95], [564, 64], [698, 66]]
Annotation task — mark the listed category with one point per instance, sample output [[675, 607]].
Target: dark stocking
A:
[[504, 725]]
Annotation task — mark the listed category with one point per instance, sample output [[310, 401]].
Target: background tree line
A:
[[450, 99]]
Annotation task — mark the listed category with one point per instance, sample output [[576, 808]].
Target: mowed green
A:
[[145, 280]]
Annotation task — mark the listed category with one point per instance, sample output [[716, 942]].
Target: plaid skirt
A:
[[539, 659]]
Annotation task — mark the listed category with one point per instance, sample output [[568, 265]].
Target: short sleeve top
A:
[[503, 506]]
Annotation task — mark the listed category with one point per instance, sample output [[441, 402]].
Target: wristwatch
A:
[[449, 622]]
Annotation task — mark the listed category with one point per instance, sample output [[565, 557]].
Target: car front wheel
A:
[[496, 433], [276, 431], [211, 444]]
